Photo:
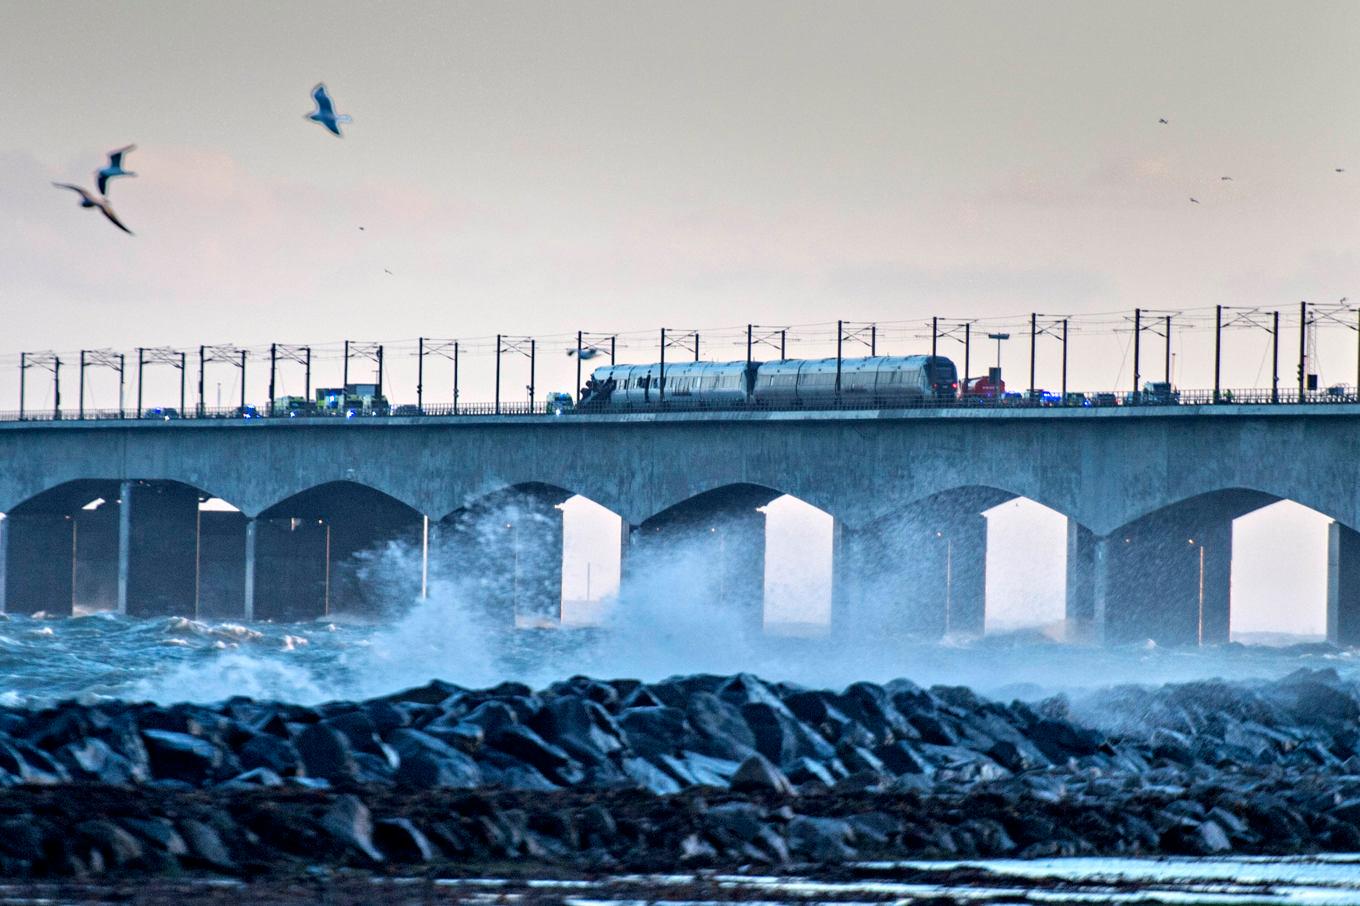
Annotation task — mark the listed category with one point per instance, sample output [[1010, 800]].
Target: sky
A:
[[542, 168]]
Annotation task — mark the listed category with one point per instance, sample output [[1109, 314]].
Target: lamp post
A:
[[996, 381]]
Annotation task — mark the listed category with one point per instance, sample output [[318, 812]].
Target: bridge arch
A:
[[517, 554], [1166, 574], [143, 547], [335, 547]]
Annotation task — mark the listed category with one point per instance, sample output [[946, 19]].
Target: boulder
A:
[[757, 774], [326, 753], [402, 841], [179, 756], [349, 824]]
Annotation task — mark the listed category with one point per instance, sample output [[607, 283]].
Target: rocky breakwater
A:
[[591, 775]]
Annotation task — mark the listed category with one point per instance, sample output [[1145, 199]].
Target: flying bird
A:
[[588, 352], [325, 110], [386, 271], [1163, 122], [361, 229], [115, 168], [1341, 169], [1194, 200], [1226, 178], [89, 201]]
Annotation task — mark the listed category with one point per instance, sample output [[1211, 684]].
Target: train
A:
[[867, 381]]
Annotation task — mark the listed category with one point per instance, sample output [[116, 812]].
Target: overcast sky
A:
[[538, 168]]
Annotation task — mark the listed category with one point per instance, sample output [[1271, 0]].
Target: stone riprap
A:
[[592, 775]]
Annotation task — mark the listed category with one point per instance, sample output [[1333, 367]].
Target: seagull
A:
[[386, 271], [1226, 178], [89, 201], [325, 111], [588, 352], [115, 168], [1164, 122], [361, 229], [1194, 200], [1341, 169]]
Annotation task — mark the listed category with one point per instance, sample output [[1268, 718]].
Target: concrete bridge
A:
[[1150, 495]]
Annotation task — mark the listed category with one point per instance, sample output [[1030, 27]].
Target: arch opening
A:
[[142, 547], [531, 556], [1235, 563], [337, 548]]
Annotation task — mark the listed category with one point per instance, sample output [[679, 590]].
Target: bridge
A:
[[110, 512]]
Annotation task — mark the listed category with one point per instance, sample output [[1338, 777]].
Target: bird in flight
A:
[[90, 201], [1226, 178], [1341, 169], [386, 271], [115, 168], [1194, 200], [325, 110], [1164, 121], [588, 352]]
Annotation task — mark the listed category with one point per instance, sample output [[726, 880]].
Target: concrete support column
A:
[[966, 583], [248, 592], [96, 566], [1169, 577], [39, 556], [291, 575], [1343, 585], [535, 562], [850, 559], [222, 554], [157, 549], [1081, 582]]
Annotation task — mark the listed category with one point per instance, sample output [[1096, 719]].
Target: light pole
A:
[[996, 380]]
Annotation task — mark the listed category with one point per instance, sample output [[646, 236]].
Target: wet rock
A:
[[349, 823], [781, 737], [326, 753], [265, 750], [722, 731], [427, 762], [180, 756], [94, 760], [757, 774], [582, 728], [524, 744], [654, 731], [820, 839], [402, 841], [159, 833], [205, 844], [116, 846]]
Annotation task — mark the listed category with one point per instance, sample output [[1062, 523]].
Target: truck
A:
[[351, 400]]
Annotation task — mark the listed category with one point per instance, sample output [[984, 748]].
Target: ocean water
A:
[[179, 659]]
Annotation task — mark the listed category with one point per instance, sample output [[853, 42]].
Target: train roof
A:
[[807, 366]]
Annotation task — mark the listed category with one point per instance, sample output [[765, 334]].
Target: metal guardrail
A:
[[1099, 400]]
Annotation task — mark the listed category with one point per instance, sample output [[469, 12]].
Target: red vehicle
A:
[[984, 388]]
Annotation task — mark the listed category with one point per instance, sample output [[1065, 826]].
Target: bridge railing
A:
[[848, 402]]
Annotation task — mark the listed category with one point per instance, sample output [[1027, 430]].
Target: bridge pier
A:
[[221, 564], [1166, 577], [287, 569], [1343, 585], [39, 563], [96, 552], [157, 549], [923, 573]]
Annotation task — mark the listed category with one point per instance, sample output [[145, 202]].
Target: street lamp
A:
[[996, 377]]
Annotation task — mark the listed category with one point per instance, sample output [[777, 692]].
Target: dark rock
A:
[[254, 778], [654, 731], [93, 759], [757, 774], [527, 746], [402, 841], [349, 823], [179, 756], [427, 762], [820, 839], [115, 845], [205, 844], [265, 750], [326, 753], [157, 832], [901, 758], [583, 728], [780, 736]]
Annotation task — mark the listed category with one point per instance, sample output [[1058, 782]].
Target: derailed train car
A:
[[870, 381]]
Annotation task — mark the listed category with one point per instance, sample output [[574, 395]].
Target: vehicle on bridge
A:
[[867, 381], [351, 400]]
